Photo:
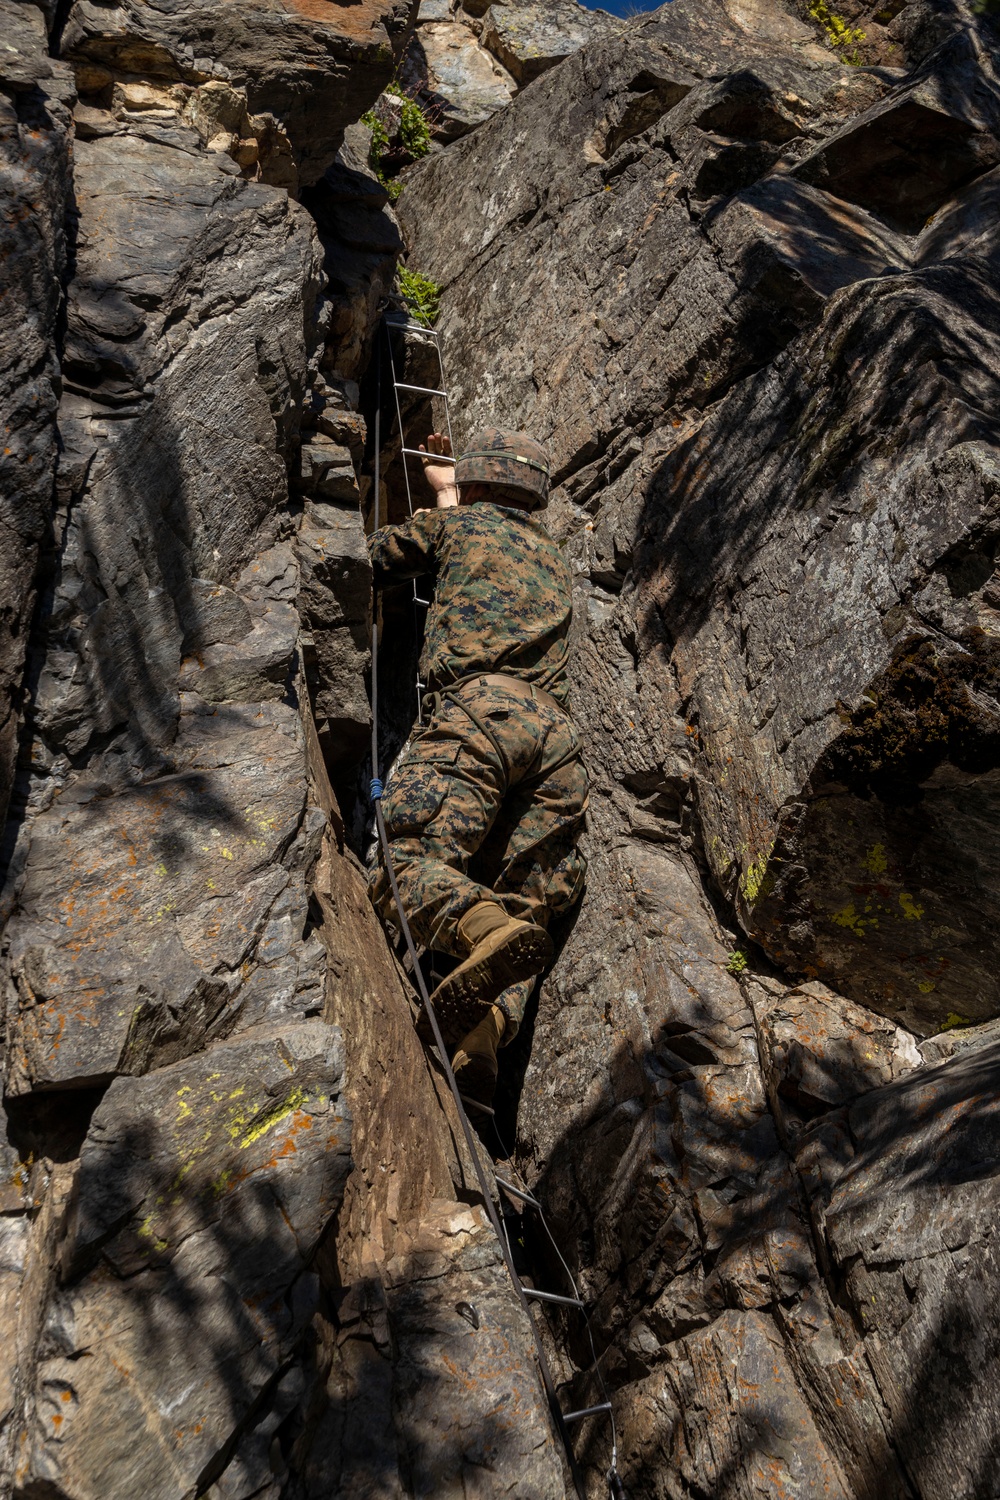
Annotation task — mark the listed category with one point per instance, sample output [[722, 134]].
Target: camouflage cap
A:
[[511, 460]]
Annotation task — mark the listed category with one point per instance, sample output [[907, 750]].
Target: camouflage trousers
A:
[[486, 805]]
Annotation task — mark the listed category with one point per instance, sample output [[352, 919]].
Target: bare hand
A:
[[440, 477]]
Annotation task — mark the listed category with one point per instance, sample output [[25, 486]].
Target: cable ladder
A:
[[518, 1194]]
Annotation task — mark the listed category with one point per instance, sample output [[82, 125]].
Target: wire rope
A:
[[496, 1222]]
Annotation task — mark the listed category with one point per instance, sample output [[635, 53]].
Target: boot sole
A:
[[459, 1000]]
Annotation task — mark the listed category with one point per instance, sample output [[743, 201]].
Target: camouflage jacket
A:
[[502, 601]]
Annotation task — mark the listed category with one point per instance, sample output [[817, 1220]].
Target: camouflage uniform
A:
[[490, 796]]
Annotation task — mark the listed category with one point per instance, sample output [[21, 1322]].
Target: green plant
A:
[[414, 137], [421, 295], [380, 138], [736, 962], [414, 130], [377, 149], [838, 33]]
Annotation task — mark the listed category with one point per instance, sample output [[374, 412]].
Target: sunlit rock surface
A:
[[743, 288], [741, 281]]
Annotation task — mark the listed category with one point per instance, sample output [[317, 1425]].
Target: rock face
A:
[[220, 1276], [36, 95], [304, 69], [465, 62], [822, 609], [743, 290], [742, 281]]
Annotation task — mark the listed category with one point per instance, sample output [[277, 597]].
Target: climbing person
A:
[[485, 806]]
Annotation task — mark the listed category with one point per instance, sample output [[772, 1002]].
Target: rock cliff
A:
[[744, 288], [735, 264]]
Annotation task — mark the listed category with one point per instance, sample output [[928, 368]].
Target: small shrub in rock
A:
[[395, 146], [421, 295], [414, 127]]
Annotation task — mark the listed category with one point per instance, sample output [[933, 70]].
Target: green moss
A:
[[922, 710], [875, 861], [854, 921], [421, 295], [912, 910]]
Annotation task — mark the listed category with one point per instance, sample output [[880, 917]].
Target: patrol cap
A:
[[511, 460]]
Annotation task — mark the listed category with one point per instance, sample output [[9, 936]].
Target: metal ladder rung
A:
[[439, 458], [475, 1104], [587, 1411], [424, 390], [515, 1192], [400, 320], [530, 1291]]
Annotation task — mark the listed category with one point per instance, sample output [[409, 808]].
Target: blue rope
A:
[[375, 788]]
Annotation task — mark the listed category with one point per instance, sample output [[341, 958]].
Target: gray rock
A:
[[312, 75], [722, 1385], [820, 1051], [328, 471], [415, 1397], [336, 603], [911, 1227], [36, 96], [529, 39], [816, 662], [459, 83], [361, 240], [140, 912], [207, 495], [204, 1189]]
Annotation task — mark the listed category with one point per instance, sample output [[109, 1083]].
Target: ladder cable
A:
[[498, 1225]]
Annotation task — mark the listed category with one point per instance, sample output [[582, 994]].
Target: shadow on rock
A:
[[812, 1318]]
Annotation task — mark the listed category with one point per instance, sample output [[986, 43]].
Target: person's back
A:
[[484, 810], [502, 598]]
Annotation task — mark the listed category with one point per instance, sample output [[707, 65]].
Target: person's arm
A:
[[405, 551], [440, 477]]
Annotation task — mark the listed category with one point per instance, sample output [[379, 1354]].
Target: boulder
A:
[[530, 39], [201, 1194], [911, 1228], [150, 920], [311, 74], [459, 83], [819, 1051]]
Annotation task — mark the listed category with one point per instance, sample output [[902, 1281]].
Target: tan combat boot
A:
[[503, 951], [475, 1061]]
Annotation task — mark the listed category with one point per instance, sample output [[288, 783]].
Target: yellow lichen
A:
[[912, 910], [855, 921], [294, 1101], [752, 882], [875, 861]]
